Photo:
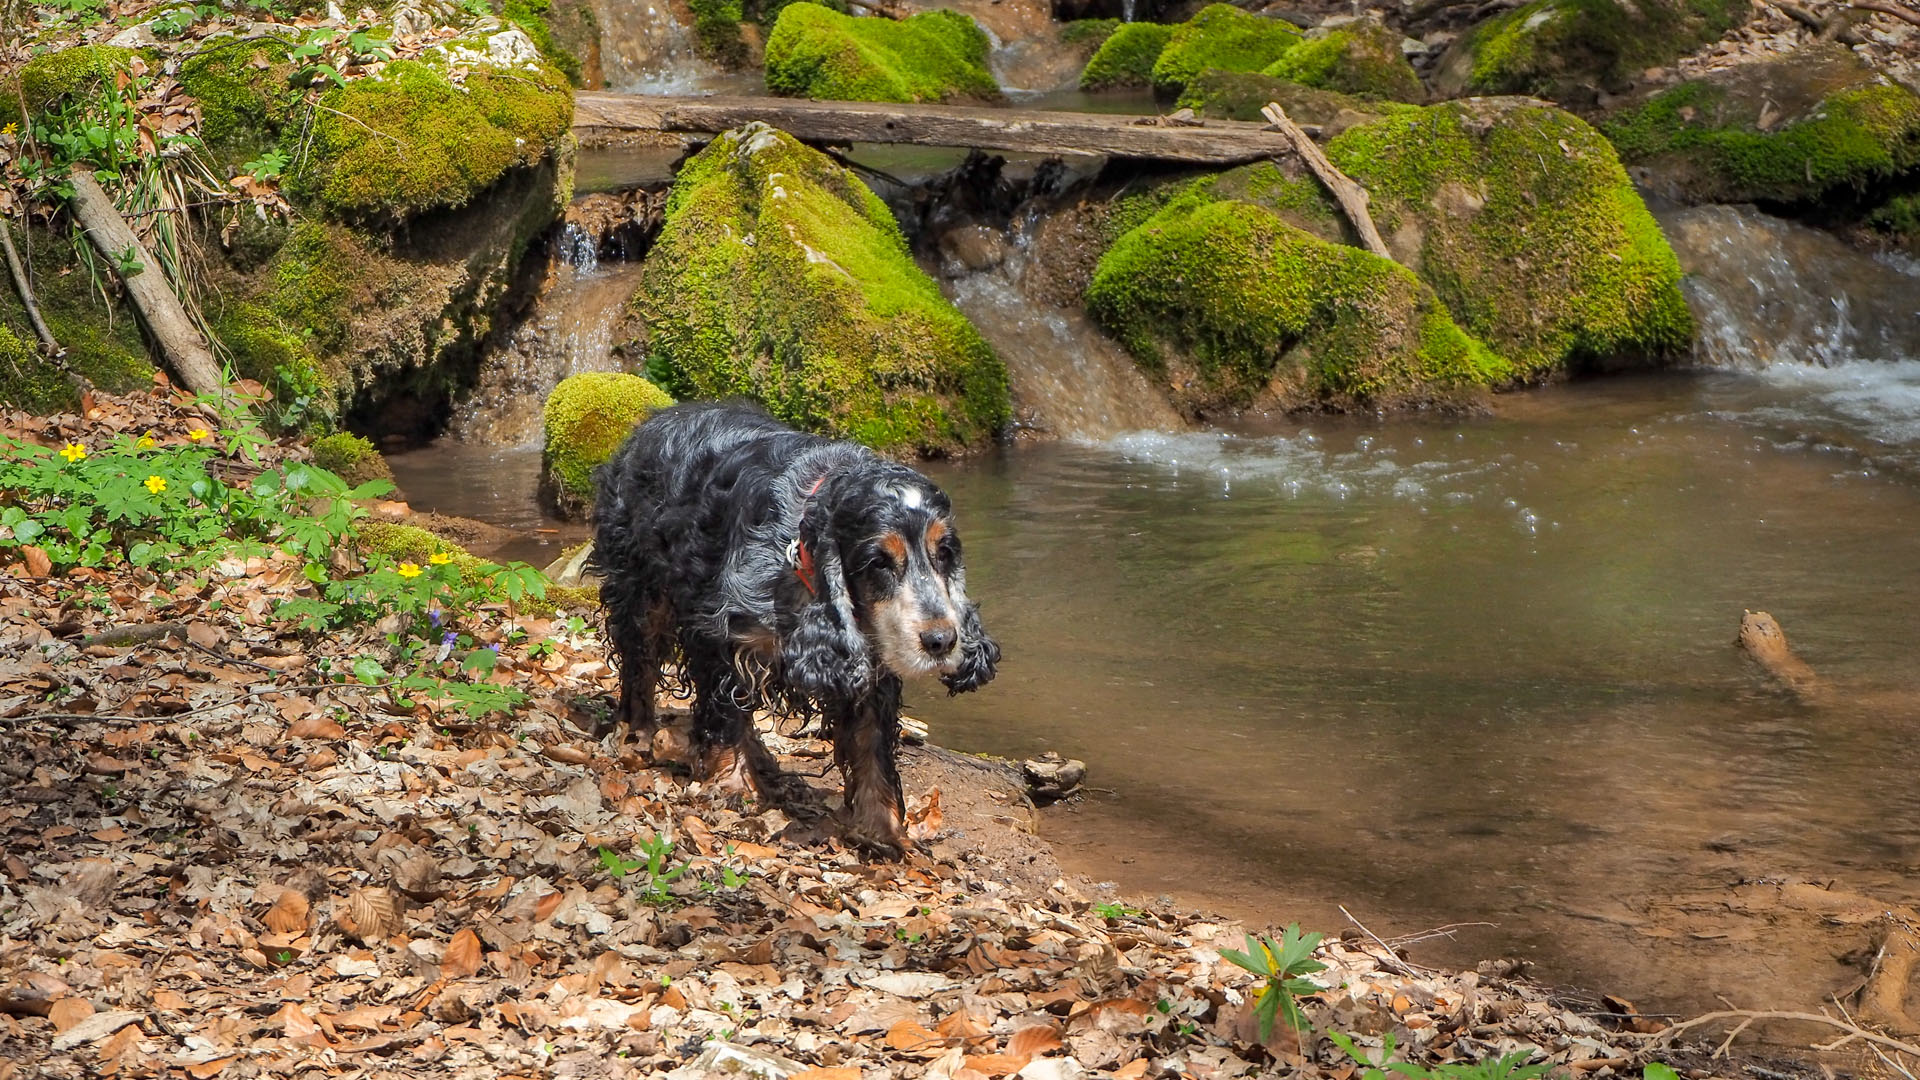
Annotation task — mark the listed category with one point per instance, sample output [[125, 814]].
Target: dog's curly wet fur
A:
[[786, 571]]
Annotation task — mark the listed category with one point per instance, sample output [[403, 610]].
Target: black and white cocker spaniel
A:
[[787, 571]]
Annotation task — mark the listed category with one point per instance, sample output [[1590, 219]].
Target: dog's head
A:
[[882, 587]]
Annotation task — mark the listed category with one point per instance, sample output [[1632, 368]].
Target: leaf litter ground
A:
[[220, 862]]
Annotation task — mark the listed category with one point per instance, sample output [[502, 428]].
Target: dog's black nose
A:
[[938, 641]]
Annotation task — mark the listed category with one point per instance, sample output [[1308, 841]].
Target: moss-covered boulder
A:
[[779, 276], [586, 419], [1569, 50], [1232, 306], [1524, 221], [1781, 130], [241, 88], [1240, 95], [817, 52], [1126, 57], [1221, 37], [52, 75], [411, 140], [1362, 58], [350, 457]]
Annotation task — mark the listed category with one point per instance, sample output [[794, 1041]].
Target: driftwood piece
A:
[[1762, 638], [24, 287], [181, 345], [1218, 142], [1351, 196]]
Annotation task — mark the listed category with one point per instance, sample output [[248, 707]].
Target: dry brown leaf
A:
[[843, 1072], [38, 565], [69, 1011], [168, 1001], [289, 914], [315, 727], [993, 1064], [1031, 1042], [462, 957], [207, 1069], [924, 823], [961, 1024], [1132, 1070], [370, 914], [910, 1037]]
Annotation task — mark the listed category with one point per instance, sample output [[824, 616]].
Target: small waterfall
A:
[[1068, 379], [1127, 10], [647, 47], [1766, 291]]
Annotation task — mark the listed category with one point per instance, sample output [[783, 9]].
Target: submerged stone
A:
[[1523, 220], [817, 52], [1784, 129], [1568, 50], [779, 276], [1221, 37], [587, 417]]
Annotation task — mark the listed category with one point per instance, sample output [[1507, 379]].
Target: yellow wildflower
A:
[[198, 433], [440, 558], [11, 128], [146, 442], [409, 570], [156, 484], [73, 451]]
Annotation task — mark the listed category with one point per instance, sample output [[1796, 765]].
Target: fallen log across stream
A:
[[1215, 142]]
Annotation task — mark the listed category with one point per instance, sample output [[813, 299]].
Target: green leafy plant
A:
[[268, 166], [1283, 964], [1509, 1067], [1105, 910]]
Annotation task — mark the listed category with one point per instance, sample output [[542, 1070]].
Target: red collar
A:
[[802, 558]]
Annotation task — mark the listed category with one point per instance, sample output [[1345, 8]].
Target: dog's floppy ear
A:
[[979, 655], [823, 653]]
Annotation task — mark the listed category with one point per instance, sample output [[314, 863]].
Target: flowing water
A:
[[1458, 669]]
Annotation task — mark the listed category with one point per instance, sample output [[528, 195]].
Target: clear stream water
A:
[[1463, 669]]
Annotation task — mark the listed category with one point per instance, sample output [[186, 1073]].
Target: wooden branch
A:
[[1351, 196], [181, 345], [24, 287], [1905, 14], [1217, 142]]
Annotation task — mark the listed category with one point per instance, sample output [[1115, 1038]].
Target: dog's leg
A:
[[632, 621], [728, 751], [865, 739]]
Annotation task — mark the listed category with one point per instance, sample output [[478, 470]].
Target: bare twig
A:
[[111, 718], [1905, 14], [1748, 1017], [1351, 196], [1392, 960], [24, 286]]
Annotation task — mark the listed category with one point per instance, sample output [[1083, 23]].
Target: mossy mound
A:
[[241, 89], [716, 31], [1232, 306], [1221, 37], [1126, 57], [1524, 222], [1782, 130], [817, 52], [1088, 33], [1566, 50], [536, 19], [587, 417], [350, 457], [1240, 95], [410, 140], [779, 276], [50, 76], [102, 345], [1361, 58]]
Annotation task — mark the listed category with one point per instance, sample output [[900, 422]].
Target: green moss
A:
[[1831, 122], [1224, 38], [1525, 223], [316, 282], [586, 419], [264, 348], [1240, 95], [410, 140], [50, 76], [244, 100], [716, 30], [1564, 48], [531, 17], [1091, 33], [103, 345], [1361, 58], [1898, 217], [779, 276], [573, 597], [816, 52], [1231, 305], [350, 457], [1126, 57]]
